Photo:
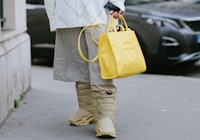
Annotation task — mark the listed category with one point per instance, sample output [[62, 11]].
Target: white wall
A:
[[15, 60], [15, 14]]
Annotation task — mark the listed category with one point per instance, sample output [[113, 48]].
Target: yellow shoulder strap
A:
[[79, 46]]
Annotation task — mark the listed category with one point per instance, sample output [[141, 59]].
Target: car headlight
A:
[[161, 22]]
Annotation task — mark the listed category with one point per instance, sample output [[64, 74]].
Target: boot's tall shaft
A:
[[105, 105], [85, 97], [86, 111], [105, 109]]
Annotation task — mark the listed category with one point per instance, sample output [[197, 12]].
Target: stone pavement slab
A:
[[149, 107]]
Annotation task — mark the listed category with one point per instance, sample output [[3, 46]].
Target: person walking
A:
[[96, 96]]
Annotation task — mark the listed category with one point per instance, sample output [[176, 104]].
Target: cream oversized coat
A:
[[75, 13]]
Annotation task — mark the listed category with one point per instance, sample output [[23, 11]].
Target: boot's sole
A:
[[105, 128], [81, 117], [101, 134], [83, 121]]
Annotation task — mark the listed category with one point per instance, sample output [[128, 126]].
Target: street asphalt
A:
[[149, 107]]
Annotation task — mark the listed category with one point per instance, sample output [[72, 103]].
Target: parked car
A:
[[42, 40], [168, 31]]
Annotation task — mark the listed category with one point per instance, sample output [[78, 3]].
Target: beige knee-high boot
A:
[[86, 111], [105, 108]]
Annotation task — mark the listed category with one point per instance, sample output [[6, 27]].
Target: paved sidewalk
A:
[[149, 107]]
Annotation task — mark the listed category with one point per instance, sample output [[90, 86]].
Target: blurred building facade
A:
[[15, 63]]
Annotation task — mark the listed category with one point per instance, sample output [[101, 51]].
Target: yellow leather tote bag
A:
[[119, 52]]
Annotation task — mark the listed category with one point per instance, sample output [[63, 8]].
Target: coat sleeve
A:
[[119, 3], [50, 9]]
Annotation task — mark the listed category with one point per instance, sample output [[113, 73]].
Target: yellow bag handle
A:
[[124, 22], [111, 27], [79, 45]]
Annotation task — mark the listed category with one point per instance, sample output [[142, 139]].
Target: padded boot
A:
[[86, 111], [105, 108]]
